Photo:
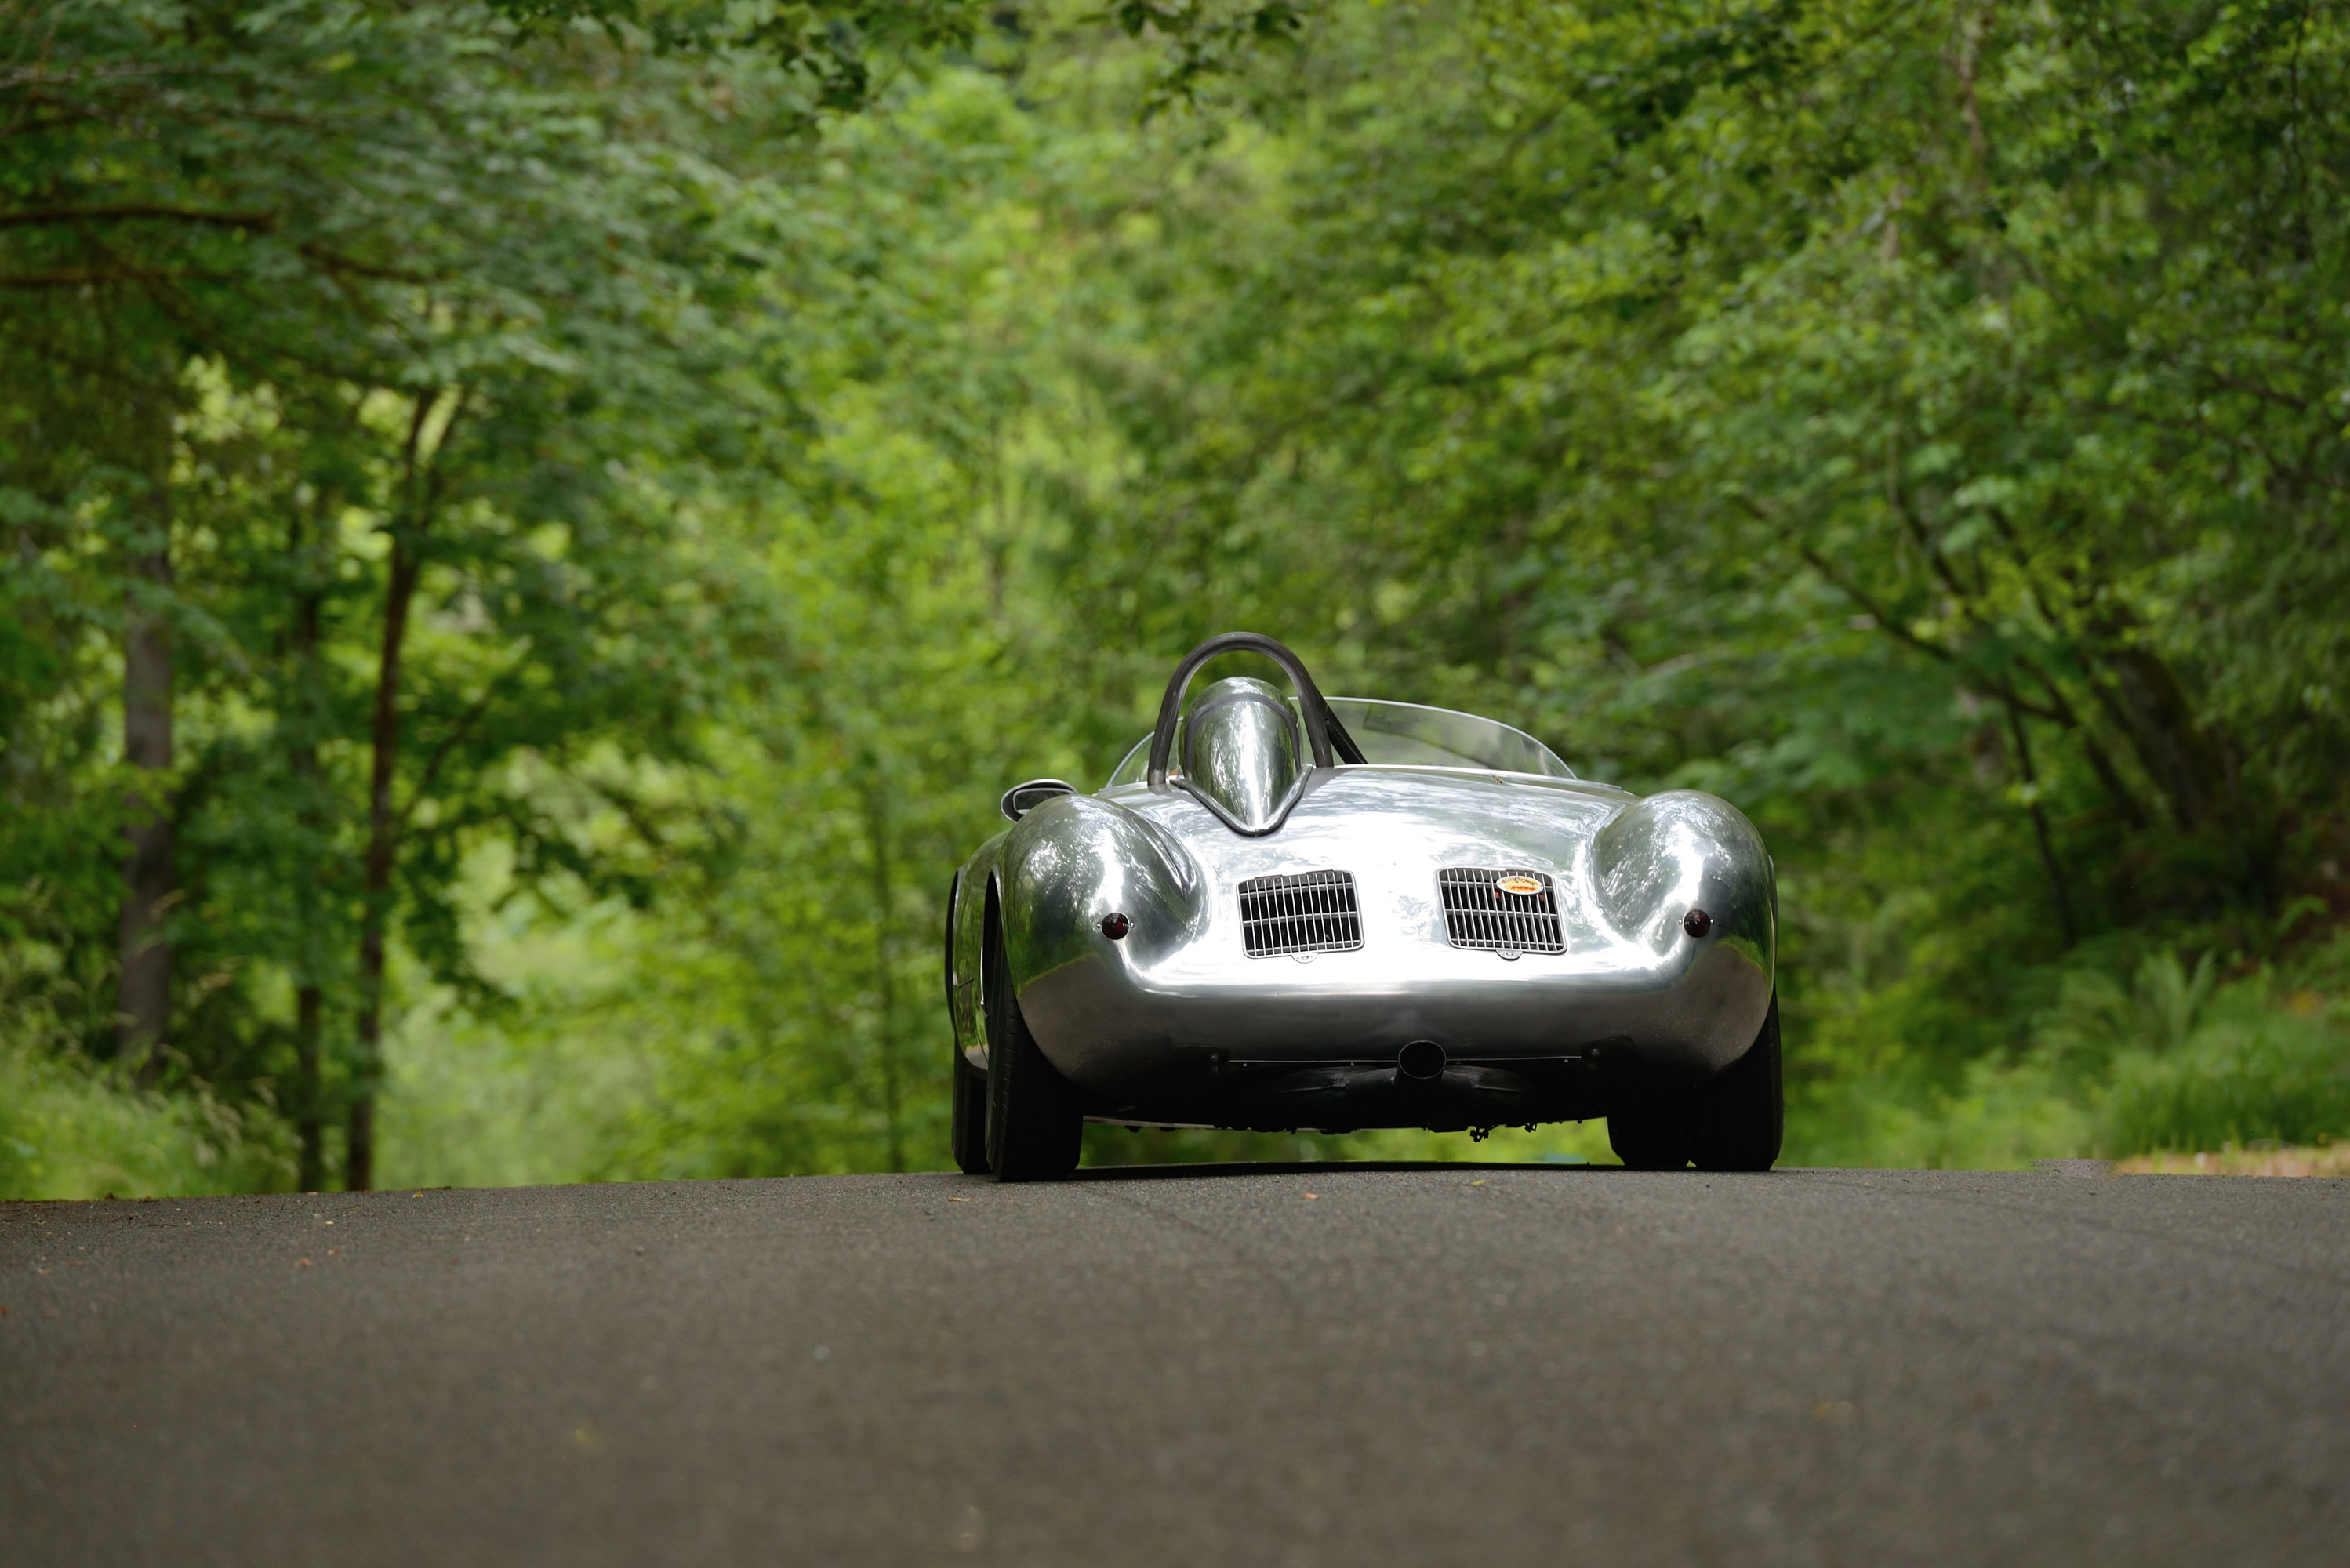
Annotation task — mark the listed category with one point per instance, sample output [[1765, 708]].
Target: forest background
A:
[[536, 534]]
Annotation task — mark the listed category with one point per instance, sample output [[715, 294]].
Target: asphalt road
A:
[[1426, 1366]]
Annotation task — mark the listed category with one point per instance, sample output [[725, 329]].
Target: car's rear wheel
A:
[[1653, 1134], [1034, 1119], [1734, 1123], [1738, 1121], [970, 1116]]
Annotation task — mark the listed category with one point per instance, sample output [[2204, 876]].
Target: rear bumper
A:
[[1288, 1045]]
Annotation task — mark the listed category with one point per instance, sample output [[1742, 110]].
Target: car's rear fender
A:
[[1074, 861], [970, 920], [1663, 858]]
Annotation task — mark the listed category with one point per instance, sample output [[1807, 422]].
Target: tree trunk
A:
[[310, 1160], [2154, 710], [383, 738], [382, 852], [144, 1001], [309, 996], [2040, 834]]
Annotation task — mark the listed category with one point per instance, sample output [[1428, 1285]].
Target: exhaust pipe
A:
[[1421, 1062]]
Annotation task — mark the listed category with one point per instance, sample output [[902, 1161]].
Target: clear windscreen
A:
[[1405, 734], [1135, 768]]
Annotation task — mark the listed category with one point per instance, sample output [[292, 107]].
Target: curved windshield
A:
[[1135, 768], [1405, 734], [1408, 734]]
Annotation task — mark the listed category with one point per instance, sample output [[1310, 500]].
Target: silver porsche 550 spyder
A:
[[1289, 912]]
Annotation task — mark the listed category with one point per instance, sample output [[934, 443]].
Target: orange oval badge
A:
[[1523, 886]]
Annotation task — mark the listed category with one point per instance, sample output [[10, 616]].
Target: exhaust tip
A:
[[1422, 1060]]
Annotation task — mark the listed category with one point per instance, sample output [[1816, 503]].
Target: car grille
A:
[[1311, 912], [1478, 914]]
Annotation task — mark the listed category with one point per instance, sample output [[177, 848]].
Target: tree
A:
[[443, 301]]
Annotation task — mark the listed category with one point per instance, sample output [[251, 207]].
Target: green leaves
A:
[[1923, 426], [1905, 421], [833, 46], [435, 400]]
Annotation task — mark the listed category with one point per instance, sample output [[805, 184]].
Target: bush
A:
[[2252, 1070], [69, 1129], [1998, 1115], [2171, 1059]]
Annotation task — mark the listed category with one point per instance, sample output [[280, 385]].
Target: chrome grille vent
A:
[[1478, 913], [1311, 912]]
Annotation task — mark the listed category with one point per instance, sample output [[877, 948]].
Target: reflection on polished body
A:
[[1340, 914]]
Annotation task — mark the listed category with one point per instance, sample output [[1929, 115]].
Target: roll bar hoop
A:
[[1319, 722]]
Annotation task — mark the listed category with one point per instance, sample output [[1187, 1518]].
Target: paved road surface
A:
[[1423, 1366]]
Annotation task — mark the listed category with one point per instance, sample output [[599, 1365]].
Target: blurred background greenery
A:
[[536, 534]]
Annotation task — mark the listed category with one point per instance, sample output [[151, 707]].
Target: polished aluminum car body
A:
[[1246, 929]]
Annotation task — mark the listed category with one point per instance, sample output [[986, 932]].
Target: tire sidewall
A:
[[1034, 1123], [968, 1128], [1000, 1012], [1740, 1119]]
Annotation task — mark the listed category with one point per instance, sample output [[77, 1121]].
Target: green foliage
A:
[[2254, 1071], [68, 1133], [71, 1129], [429, 345], [1864, 412], [1922, 426], [833, 46], [2266, 1058]]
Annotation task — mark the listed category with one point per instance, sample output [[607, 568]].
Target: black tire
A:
[[1738, 1121], [969, 1092], [1653, 1134], [1034, 1119]]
